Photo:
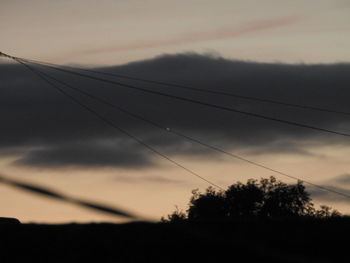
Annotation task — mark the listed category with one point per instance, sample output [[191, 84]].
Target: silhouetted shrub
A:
[[176, 216], [267, 198]]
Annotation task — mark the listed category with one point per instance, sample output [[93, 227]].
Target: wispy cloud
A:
[[343, 4], [146, 179], [329, 196], [217, 34], [343, 179]]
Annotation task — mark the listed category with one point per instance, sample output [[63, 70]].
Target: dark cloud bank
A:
[[46, 129]]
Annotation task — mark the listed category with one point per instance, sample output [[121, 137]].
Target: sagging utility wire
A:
[[170, 130], [190, 138]]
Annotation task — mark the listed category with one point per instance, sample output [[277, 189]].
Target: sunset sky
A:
[[291, 51]]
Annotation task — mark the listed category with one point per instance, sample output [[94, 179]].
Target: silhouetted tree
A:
[[326, 212], [175, 217], [244, 200], [282, 200], [210, 205], [267, 198]]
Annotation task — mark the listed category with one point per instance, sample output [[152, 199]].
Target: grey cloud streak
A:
[[340, 183], [329, 196], [87, 154], [46, 129], [343, 179]]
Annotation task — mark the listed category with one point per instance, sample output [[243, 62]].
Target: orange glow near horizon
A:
[[153, 198]]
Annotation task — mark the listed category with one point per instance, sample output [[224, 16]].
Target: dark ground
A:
[[241, 241]]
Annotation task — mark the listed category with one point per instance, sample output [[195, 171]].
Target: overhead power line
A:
[[167, 129], [203, 90], [171, 130], [194, 101], [113, 125]]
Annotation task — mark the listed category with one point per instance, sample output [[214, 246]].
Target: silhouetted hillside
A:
[[297, 240]]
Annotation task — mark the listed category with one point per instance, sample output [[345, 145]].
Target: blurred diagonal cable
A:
[[43, 191]]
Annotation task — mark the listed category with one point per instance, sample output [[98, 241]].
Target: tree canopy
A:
[[267, 198]]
